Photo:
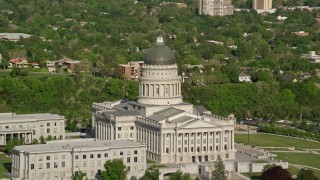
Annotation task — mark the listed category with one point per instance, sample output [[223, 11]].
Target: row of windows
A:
[[126, 128], [105, 155], [198, 141], [125, 135], [204, 148], [48, 165]]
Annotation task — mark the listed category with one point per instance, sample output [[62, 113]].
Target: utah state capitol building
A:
[[173, 130]]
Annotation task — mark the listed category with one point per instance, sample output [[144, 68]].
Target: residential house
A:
[[19, 63], [300, 33], [244, 78], [14, 36], [305, 76]]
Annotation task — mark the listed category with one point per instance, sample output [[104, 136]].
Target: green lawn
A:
[[5, 165], [275, 141], [300, 158]]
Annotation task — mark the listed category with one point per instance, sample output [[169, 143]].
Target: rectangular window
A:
[[210, 140], [55, 165], [128, 159], [48, 165], [131, 127], [105, 154], [40, 165], [84, 157], [119, 128], [121, 153], [135, 152], [191, 149], [179, 150], [99, 162], [142, 158], [77, 157], [48, 124], [32, 166], [84, 164], [185, 141], [91, 156], [135, 159], [48, 130], [56, 157], [131, 135], [185, 149], [99, 155], [63, 164], [48, 158]]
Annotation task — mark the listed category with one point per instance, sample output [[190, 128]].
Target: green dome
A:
[[160, 54]]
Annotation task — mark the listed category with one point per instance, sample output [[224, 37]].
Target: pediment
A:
[[197, 124]]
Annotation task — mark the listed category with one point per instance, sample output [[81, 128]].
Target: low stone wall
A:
[[256, 167]]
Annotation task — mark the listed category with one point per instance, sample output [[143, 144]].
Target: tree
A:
[[115, 169], [219, 172], [78, 175], [152, 173], [275, 173], [178, 175], [42, 140], [12, 143], [306, 174]]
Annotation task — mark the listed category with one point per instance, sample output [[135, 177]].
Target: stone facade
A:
[[62, 159], [173, 130], [30, 126]]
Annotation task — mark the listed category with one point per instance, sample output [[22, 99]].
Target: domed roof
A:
[[160, 54]]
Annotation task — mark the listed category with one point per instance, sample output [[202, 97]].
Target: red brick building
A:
[[132, 70]]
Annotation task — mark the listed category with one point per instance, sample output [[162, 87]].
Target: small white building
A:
[[30, 126], [312, 56], [244, 78], [62, 159]]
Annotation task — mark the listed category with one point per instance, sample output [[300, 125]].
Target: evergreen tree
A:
[[219, 172]]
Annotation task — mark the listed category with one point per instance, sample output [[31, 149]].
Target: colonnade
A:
[[159, 90], [104, 131], [185, 143], [5, 137]]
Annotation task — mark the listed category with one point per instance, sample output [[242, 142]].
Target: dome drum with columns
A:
[[160, 83]]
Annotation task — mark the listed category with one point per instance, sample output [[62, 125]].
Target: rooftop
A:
[[165, 114], [83, 144], [14, 36], [13, 116]]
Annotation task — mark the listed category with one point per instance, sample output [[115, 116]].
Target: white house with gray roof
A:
[[174, 131], [30, 126]]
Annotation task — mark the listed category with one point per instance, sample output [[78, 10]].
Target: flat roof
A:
[[25, 117], [83, 144]]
